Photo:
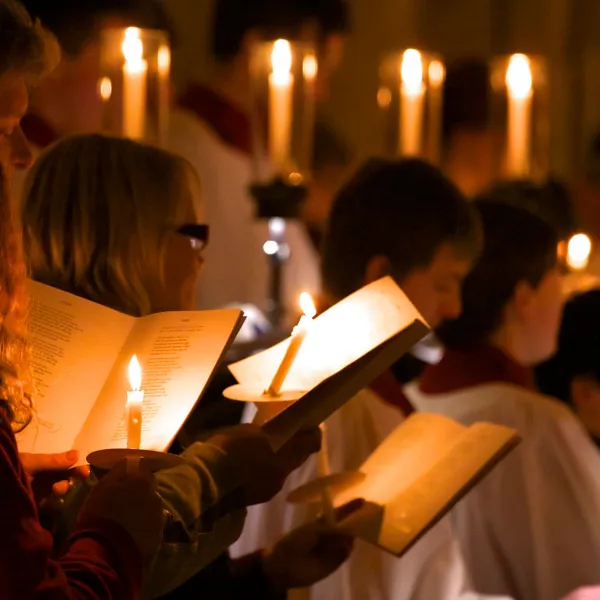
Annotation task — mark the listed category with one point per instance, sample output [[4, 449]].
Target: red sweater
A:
[[101, 560]]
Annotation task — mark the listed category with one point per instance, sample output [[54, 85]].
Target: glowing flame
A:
[[135, 374], [307, 305], [437, 73], [578, 251], [310, 67], [133, 49], [164, 60], [518, 76], [412, 71], [105, 88], [281, 61]]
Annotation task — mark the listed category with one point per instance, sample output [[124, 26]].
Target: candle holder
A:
[[410, 98], [520, 110], [134, 83], [283, 76]]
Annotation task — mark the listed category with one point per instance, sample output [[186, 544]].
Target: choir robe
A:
[[432, 570], [531, 528], [215, 138]]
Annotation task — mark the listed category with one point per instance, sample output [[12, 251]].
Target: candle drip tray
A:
[[244, 393], [104, 460]]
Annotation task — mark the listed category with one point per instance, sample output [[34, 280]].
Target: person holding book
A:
[[73, 197], [404, 219], [531, 528], [112, 541]]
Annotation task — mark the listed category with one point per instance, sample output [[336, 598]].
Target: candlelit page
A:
[[337, 338]]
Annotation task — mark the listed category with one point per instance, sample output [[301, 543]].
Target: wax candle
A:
[[412, 96], [281, 83], [135, 400], [519, 87], [164, 70], [437, 74], [134, 85], [296, 340]]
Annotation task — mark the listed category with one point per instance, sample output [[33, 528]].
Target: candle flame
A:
[[519, 79], [135, 374], [579, 249], [164, 60], [412, 70], [437, 73], [307, 305], [133, 48], [105, 88], [310, 67], [281, 59]]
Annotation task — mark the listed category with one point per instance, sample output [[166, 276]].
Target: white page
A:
[[74, 343], [178, 352], [337, 338]]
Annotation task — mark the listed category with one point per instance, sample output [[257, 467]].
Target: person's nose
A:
[[20, 154]]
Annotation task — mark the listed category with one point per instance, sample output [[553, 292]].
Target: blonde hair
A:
[[97, 212]]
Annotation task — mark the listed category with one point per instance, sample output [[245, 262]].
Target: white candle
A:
[[280, 104], [437, 74], [298, 335], [164, 70], [519, 87], [412, 95], [135, 401], [134, 85]]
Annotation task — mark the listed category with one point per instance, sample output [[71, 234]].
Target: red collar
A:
[[475, 365], [38, 131], [228, 122], [390, 390]]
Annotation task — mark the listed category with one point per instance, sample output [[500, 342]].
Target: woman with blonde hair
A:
[[105, 556]]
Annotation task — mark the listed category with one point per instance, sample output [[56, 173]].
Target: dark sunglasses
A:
[[197, 234]]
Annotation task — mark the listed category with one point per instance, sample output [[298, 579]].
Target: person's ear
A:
[[583, 390], [379, 266]]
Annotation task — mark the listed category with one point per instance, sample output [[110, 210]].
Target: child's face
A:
[[435, 290]]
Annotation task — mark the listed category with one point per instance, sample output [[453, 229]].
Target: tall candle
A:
[[412, 96], [164, 70], [135, 400], [134, 85], [296, 340], [519, 88], [437, 74], [281, 83]]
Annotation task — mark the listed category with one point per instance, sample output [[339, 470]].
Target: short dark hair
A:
[[75, 22], [233, 19], [578, 348], [518, 246], [401, 209]]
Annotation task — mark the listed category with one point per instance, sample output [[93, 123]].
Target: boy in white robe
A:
[[531, 529], [404, 219]]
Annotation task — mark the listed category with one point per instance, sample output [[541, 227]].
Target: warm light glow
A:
[[309, 67], [135, 374], [105, 88], [437, 73], [412, 71], [384, 97], [164, 60], [307, 305], [281, 61], [270, 247], [518, 76], [578, 251], [133, 50]]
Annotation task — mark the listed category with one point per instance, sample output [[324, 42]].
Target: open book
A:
[[346, 348], [79, 356], [415, 477]]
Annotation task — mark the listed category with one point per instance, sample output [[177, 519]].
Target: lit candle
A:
[[411, 103], [164, 70], [437, 74], [519, 86], [298, 335], [579, 249], [135, 400], [325, 471], [134, 85], [280, 105]]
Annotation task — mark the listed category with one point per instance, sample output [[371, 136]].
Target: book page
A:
[[404, 456], [336, 338], [73, 344], [178, 352]]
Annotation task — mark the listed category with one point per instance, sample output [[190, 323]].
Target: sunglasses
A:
[[197, 234]]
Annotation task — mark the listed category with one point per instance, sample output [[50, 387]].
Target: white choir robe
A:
[[531, 528], [236, 270], [432, 570]]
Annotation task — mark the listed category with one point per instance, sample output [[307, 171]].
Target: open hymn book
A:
[[414, 477], [346, 348], [79, 356]]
